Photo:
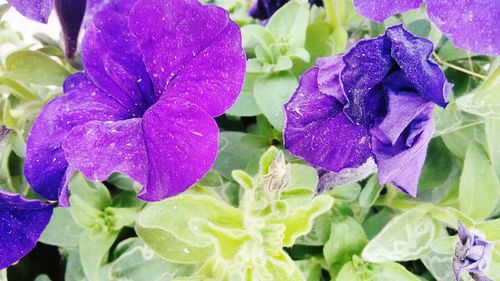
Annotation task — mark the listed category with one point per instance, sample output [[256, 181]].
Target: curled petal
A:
[[98, 149], [181, 141], [317, 130], [45, 164], [203, 65], [401, 163], [379, 10], [471, 24], [38, 10], [412, 54], [22, 222], [329, 70]]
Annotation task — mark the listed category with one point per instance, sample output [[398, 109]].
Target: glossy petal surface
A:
[[204, 65], [379, 10], [473, 25], [181, 151], [22, 222], [318, 131], [45, 164]]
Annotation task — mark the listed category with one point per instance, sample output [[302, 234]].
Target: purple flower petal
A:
[[317, 130], [98, 149], [204, 65], [329, 70], [45, 164], [264, 9], [38, 10], [473, 25], [379, 10], [412, 54], [113, 61], [22, 222], [180, 153], [400, 141]]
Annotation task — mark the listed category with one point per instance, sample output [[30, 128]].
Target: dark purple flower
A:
[[376, 102], [70, 13], [156, 75], [22, 222], [472, 254], [264, 9], [471, 24]]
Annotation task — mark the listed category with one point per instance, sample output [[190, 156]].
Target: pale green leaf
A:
[[289, 23], [62, 222], [94, 252], [34, 67]]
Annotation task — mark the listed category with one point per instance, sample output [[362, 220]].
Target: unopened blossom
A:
[[375, 102], [472, 255], [473, 25]]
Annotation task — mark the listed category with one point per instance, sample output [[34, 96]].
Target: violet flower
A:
[[470, 24], [22, 222], [70, 12], [376, 102], [156, 75], [472, 254], [264, 9]]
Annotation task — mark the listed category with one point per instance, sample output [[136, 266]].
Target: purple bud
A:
[[71, 13], [472, 254]]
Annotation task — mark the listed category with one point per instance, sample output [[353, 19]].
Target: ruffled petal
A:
[[193, 48], [22, 222], [366, 65], [379, 10], [181, 142], [473, 25], [329, 70], [112, 59], [38, 10], [412, 54], [402, 109], [401, 163], [45, 164], [98, 149], [317, 130]]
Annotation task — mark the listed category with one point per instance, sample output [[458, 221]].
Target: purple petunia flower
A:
[[473, 25], [70, 12], [22, 222], [472, 254], [264, 9], [376, 102], [156, 75]]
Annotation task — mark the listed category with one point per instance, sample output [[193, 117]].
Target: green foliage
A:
[[224, 239]]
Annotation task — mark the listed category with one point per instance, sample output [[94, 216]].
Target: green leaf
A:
[[485, 101], [34, 67], [254, 35], [420, 28], [347, 238], [458, 141], [239, 151], [479, 187], [449, 52], [439, 266], [271, 92], [42, 277], [246, 105], [406, 237], [375, 223], [74, 269], [392, 271], [492, 129], [490, 229], [62, 222], [300, 221], [311, 269], [94, 252], [137, 262], [370, 192], [173, 239], [289, 23]]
